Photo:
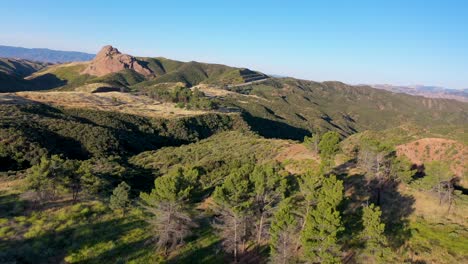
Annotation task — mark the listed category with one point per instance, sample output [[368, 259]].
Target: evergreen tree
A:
[[376, 246], [234, 200], [308, 184], [119, 200], [48, 178], [90, 183], [167, 202], [313, 142], [319, 237], [328, 145], [401, 170], [72, 178], [269, 188], [284, 233]]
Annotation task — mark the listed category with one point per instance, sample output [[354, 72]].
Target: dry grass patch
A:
[[111, 101]]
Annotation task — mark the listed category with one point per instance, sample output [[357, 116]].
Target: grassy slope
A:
[[215, 154], [62, 231], [68, 76]]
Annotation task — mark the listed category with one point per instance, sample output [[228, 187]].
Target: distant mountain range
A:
[[44, 55], [427, 91]]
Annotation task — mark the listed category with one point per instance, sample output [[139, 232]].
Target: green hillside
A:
[[68, 76], [295, 105]]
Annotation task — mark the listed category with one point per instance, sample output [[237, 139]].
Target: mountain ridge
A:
[[426, 91], [43, 54]]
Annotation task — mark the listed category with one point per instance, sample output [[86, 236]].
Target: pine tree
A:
[[234, 200], [319, 237], [376, 245], [48, 178], [328, 145], [284, 233], [313, 142], [167, 202], [308, 184], [119, 200], [90, 183], [269, 188]]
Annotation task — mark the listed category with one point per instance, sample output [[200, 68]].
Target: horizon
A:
[[398, 43]]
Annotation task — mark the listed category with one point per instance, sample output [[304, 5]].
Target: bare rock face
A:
[[110, 60]]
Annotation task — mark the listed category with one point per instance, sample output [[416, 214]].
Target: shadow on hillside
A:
[[11, 205], [53, 246], [46, 82], [360, 191], [396, 208], [273, 129]]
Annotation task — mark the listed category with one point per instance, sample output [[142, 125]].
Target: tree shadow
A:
[[274, 129], [203, 246], [396, 207], [11, 205], [53, 246]]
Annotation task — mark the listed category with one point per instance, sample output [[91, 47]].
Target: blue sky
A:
[[397, 42]]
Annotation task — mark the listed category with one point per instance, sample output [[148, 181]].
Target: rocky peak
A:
[[110, 60]]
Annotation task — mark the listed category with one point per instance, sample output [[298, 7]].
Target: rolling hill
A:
[[112, 68], [274, 107]]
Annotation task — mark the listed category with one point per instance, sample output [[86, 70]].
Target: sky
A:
[[399, 42]]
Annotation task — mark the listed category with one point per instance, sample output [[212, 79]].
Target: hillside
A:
[[427, 150], [44, 55], [293, 107], [13, 72]]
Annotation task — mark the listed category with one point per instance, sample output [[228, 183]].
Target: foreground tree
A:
[[319, 237], [313, 142], [48, 178], [308, 184], [439, 178], [269, 188], [234, 202], [284, 233], [377, 159], [167, 202], [376, 245], [119, 200], [328, 147], [90, 183]]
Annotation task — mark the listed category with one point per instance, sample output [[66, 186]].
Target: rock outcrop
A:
[[110, 60]]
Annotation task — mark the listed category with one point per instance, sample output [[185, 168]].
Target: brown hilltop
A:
[[436, 149], [110, 60]]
